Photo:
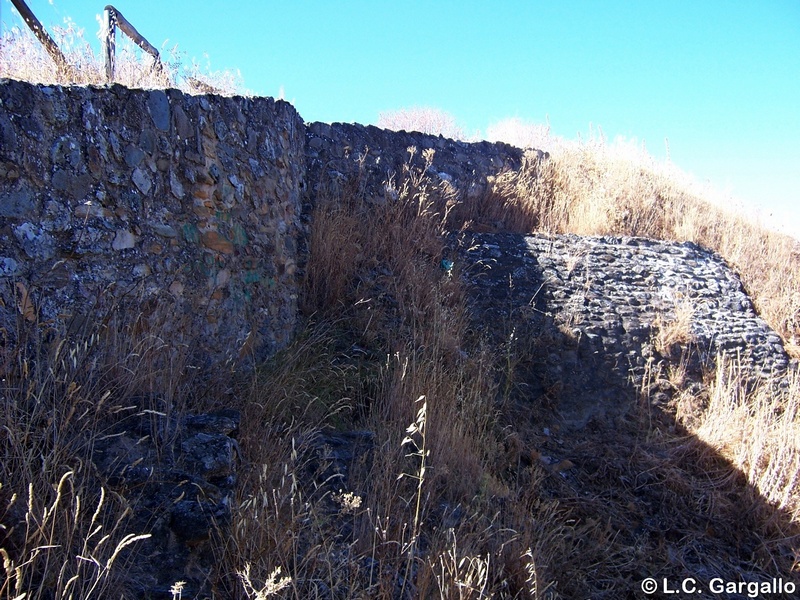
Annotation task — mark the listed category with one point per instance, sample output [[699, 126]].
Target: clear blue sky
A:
[[719, 79]]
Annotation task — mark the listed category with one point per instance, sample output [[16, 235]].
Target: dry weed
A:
[[758, 431], [423, 119], [674, 332], [22, 57], [63, 534]]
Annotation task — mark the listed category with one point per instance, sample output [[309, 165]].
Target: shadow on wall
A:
[[584, 403]]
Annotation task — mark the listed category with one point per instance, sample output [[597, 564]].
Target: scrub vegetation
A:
[[23, 57], [454, 499]]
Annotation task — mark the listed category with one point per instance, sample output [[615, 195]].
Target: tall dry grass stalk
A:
[[67, 547], [63, 533], [758, 431], [674, 332]]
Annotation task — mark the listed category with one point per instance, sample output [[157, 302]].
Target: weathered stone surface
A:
[[96, 191], [215, 241], [164, 230], [16, 204], [124, 240], [141, 181], [8, 266], [340, 153], [158, 104], [184, 475], [595, 304]]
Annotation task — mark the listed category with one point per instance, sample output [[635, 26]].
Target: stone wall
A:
[[174, 208], [184, 212], [339, 153], [182, 474], [190, 213], [593, 308]]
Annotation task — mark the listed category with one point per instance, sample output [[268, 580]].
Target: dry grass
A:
[[759, 432], [428, 512], [424, 119], [380, 266], [674, 332], [63, 533], [592, 187], [23, 57]]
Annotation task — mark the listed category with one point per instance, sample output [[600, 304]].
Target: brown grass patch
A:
[[593, 189], [63, 534]]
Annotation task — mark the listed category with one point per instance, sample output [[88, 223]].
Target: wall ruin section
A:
[[182, 211], [339, 154], [190, 213], [187, 214]]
